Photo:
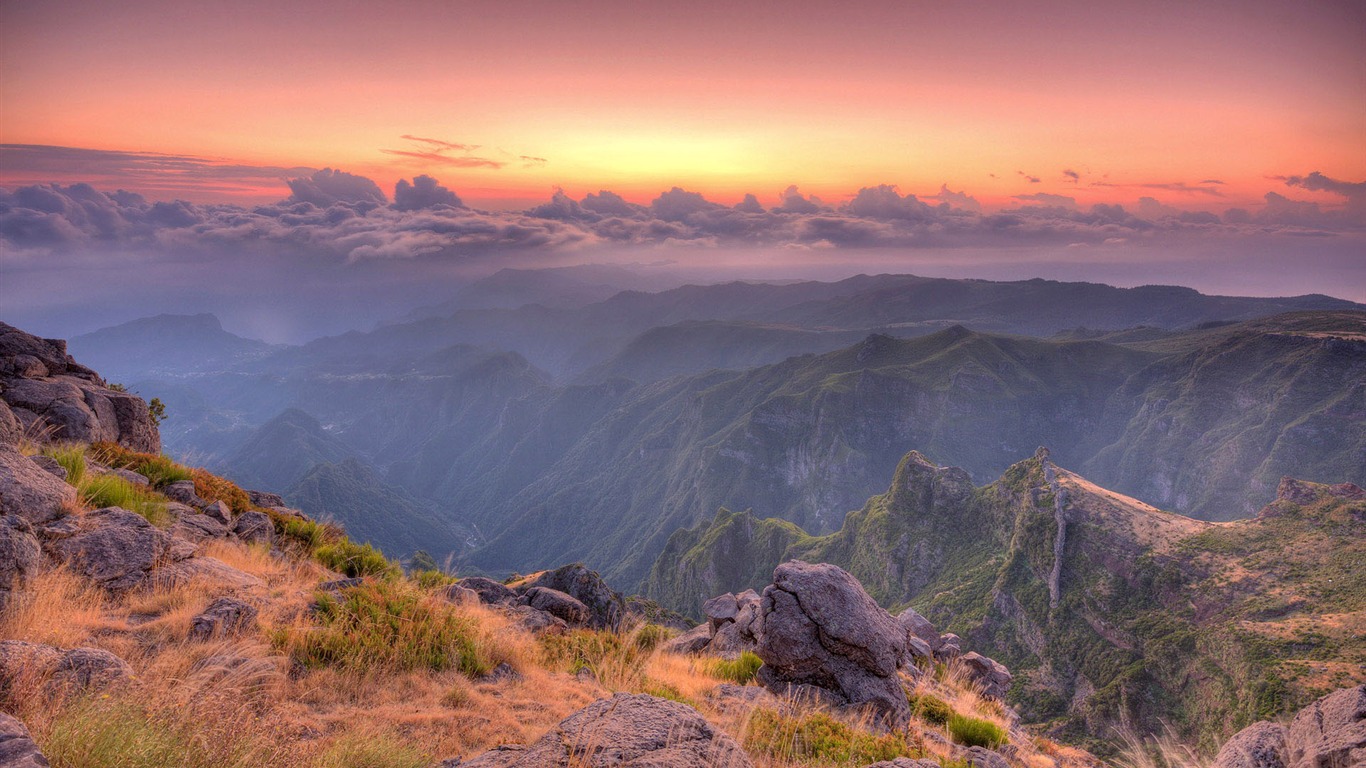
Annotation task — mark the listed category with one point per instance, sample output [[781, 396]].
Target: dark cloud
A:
[[678, 204], [884, 202], [1071, 174], [750, 204], [327, 187], [423, 192], [792, 201], [1030, 179]]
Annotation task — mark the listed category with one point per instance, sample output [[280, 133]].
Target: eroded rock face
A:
[[821, 629], [490, 592], [919, 626], [694, 640], [625, 730], [224, 616], [57, 670], [46, 390], [20, 555], [17, 749], [741, 633], [557, 604], [114, 547], [1260, 745], [255, 528], [605, 605], [992, 675], [1329, 733], [29, 492]]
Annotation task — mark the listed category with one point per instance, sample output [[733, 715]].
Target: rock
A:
[[197, 527], [919, 626], [992, 675], [720, 610], [605, 606], [625, 730], [462, 595], [905, 762], [129, 476], [1329, 733], [490, 592], [692, 641], [538, 622], [1260, 745], [183, 492], [20, 555], [224, 616], [220, 512], [59, 670], [821, 629], [556, 603], [950, 648], [918, 649], [981, 757], [209, 571], [11, 431], [44, 388], [503, 671], [255, 528], [741, 634], [28, 492], [17, 749], [50, 466], [267, 500], [114, 547]]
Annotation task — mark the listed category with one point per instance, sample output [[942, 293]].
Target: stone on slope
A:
[[264, 499], [905, 762], [57, 669], [209, 571], [625, 730], [114, 547], [919, 626], [490, 592], [11, 431], [742, 633], [224, 616], [720, 610], [537, 622], [556, 603], [218, 511], [183, 491], [821, 629], [462, 595], [992, 675], [50, 466], [255, 528], [605, 606], [28, 492], [20, 555], [193, 526], [694, 640], [1260, 745], [17, 749], [1329, 733]]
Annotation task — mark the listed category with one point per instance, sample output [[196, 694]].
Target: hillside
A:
[[166, 344], [1106, 609]]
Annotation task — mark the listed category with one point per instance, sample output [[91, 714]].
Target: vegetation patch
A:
[[615, 659], [105, 733], [371, 751], [158, 469], [819, 739], [974, 732], [352, 559], [740, 670], [113, 491], [930, 708]]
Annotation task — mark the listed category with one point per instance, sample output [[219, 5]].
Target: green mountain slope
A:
[[1107, 610]]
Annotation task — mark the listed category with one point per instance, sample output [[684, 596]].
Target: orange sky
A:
[[1151, 98]]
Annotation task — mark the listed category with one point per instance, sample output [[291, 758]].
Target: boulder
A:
[[254, 528], [1260, 745], [556, 603], [27, 491], [462, 595], [625, 730], [58, 669], [720, 610], [83, 668], [694, 640], [919, 626], [605, 606], [182, 491], [490, 592], [218, 511], [197, 527], [114, 547], [129, 476], [992, 675], [17, 749], [950, 648], [224, 616], [20, 554], [1329, 733], [537, 622], [263, 499], [981, 757], [821, 629], [742, 633], [905, 762], [11, 431], [51, 466], [209, 571]]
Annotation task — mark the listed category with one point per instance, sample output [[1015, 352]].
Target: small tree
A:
[[157, 410]]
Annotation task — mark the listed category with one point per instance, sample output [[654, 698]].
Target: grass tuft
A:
[[354, 559], [113, 491], [819, 739], [739, 670], [360, 750], [158, 469], [973, 732]]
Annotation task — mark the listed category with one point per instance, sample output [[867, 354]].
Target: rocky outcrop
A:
[[490, 592], [49, 394], [115, 548], [625, 730], [29, 492], [991, 675], [821, 630], [224, 616], [605, 605], [20, 555], [254, 527], [56, 670], [557, 604], [1330, 733], [17, 749]]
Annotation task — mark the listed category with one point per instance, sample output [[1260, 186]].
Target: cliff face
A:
[[1107, 609], [44, 391]]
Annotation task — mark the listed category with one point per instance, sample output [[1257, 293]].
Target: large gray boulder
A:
[[720, 610], [741, 633], [1330, 733], [625, 731], [919, 626], [694, 640], [556, 603], [821, 629], [1260, 745], [490, 592], [17, 749], [58, 670], [20, 555], [27, 491], [605, 605], [11, 431], [114, 547], [224, 617], [255, 528], [47, 391], [991, 675]]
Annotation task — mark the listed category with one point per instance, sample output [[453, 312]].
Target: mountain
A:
[[558, 287], [165, 344], [283, 449], [1106, 609]]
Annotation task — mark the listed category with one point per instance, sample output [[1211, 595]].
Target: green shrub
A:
[[649, 636], [973, 732], [371, 751], [158, 469], [432, 579], [71, 457], [388, 625], [931, 708], [354, 559], [740, 670], [306, 533], [113, 491], [819, 739]]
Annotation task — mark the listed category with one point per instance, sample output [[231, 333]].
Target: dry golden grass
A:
[[58, 608]]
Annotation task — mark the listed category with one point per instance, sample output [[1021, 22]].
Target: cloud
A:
[[959, 200], [792, 201], [424, 192], [884, 202], [327, 187], [750, 204], [1071, 174], [678, 204], [1209, 188], [1044, 198], [1030, 179], [427, 151]]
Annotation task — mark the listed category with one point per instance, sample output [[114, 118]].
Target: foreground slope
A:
[[1107, 609]]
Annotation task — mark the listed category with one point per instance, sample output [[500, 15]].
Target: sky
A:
[[172, 132]]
